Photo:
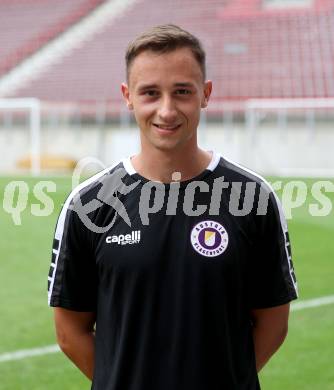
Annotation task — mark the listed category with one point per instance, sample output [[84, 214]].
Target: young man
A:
[[158, 281]]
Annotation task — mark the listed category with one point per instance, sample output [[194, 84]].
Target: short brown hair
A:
[[163, 39]]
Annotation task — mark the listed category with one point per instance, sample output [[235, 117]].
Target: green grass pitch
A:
[[303, 363]]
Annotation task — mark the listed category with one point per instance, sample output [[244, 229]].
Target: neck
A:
[[160, 165]]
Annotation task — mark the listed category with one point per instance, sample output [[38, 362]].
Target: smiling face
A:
[[166, 92]]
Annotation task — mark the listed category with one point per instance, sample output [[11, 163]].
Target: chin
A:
[[167, 145], [164, 145]]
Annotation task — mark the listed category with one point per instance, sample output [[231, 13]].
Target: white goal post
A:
[[311, 153], [278, 137], [281, 106], [33, 106]]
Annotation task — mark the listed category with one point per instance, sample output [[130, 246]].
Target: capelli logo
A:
[[124, 239]]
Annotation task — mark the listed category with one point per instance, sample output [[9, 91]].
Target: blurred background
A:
[[272, 110]]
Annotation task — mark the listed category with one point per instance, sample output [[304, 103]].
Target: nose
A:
[[167, 111]]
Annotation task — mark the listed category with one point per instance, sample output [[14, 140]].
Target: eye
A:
[[183, 92], [151, 93]]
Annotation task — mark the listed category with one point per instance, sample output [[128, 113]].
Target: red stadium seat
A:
[[28, 25], [252, 52]]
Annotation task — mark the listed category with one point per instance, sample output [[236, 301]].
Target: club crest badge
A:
[[209, 238]]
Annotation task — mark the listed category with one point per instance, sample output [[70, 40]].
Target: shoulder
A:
[[88, 188], [267, 201], [84, 193], [235, 172]]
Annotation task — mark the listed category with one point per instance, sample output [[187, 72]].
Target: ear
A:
[[126, 95], [206, 93]]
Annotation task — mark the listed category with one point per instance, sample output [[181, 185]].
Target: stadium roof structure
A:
[[252, 51]]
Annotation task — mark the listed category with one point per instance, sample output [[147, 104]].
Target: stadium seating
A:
[[278, 55], [27, 25], [251, 54]]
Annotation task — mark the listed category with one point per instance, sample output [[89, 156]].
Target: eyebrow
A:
[[147, 86], [184, 85], [152, 86]]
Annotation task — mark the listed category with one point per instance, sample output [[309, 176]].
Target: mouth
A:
[[166, 128]]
